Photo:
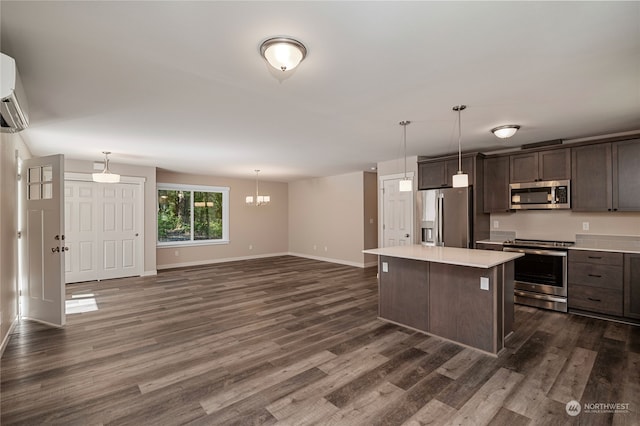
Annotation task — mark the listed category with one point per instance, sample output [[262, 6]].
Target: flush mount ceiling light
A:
[[283, 53], [405, 183], [505, 131], [105, 176], [259, 200], [460, 179]]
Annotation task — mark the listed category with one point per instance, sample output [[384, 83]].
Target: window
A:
[[190, 214]]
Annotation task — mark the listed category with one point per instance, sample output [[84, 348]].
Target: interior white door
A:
[[119, 231], [103, 227], [397, 214], [43, 242], [81, 231]]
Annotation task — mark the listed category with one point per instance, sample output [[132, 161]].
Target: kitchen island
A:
[[462, 295]]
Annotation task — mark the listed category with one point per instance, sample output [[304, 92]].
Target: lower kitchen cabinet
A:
[[595, 282], [632, 286]]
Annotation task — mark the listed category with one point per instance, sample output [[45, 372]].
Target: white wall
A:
[[326, 218], [9, 144]]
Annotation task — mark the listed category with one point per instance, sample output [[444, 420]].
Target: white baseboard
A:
[[331, 260], [5, 341], [222, 260], [370, 264], [149, 273]]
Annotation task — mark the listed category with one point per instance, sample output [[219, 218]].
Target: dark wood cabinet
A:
[[606, 177], [439, 173], [496, 184], [523, 167], [404, 291], [591, 178], [626, 175], [596, 282], [632, 285], [432, 175], [553, 164]]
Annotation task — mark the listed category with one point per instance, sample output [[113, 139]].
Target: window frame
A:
[[195, 188]]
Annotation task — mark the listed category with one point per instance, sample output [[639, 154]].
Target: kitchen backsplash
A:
[[565, 225]]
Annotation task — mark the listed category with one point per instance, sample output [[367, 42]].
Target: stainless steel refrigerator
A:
[[446, 217]]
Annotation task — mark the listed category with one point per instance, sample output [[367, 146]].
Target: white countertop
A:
[[613, 246], [449, 255]]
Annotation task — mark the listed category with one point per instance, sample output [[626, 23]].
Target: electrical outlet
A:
[[176, 253], [496, 224], [385, 267], [250, 246], [315, 247], [371, 220], [585, 226], [484, 283], [325, 248]]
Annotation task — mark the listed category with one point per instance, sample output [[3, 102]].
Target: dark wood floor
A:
[[294, 341]]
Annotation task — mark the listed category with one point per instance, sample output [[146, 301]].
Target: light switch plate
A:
[[385, 267], [484, 283]]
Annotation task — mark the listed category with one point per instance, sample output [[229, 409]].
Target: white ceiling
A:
[[181, 85]]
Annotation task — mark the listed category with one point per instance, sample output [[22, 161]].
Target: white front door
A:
[[43, 241], [397, 214]]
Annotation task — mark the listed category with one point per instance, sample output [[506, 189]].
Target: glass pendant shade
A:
[[406, 185], [460, 180], [283, 53], [105, 176]]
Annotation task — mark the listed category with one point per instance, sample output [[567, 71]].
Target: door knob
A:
[[406, 235]]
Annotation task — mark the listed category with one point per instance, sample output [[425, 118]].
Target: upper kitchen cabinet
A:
[[606, 177], [626, 175], [439, 173], [553, 164], [496, 184]]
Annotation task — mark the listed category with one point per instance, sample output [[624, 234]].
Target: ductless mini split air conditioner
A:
[[14, 114]]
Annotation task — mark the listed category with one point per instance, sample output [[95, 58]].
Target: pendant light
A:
[[105, 176], [460, 179], [405, 183], [260, 200]]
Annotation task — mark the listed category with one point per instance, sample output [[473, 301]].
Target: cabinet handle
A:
[[595, 257], [595, 276], [594, 300]]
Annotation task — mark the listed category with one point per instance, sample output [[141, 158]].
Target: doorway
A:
[[396, 212], [104, 228]]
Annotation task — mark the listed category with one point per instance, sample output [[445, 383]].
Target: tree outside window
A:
[[191, 214]]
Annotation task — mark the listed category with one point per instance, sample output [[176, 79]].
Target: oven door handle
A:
[[536, 251], [546, 297]]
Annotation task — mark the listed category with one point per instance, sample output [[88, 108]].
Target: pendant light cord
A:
[[404, 124], [459, 108], [404, 131], [459, 138]]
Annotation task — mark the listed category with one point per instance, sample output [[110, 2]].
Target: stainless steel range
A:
[[541, 274]]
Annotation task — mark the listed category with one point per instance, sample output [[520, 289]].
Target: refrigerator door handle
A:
[[440, 220]]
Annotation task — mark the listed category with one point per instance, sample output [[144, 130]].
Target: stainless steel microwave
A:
[[552, 194]]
